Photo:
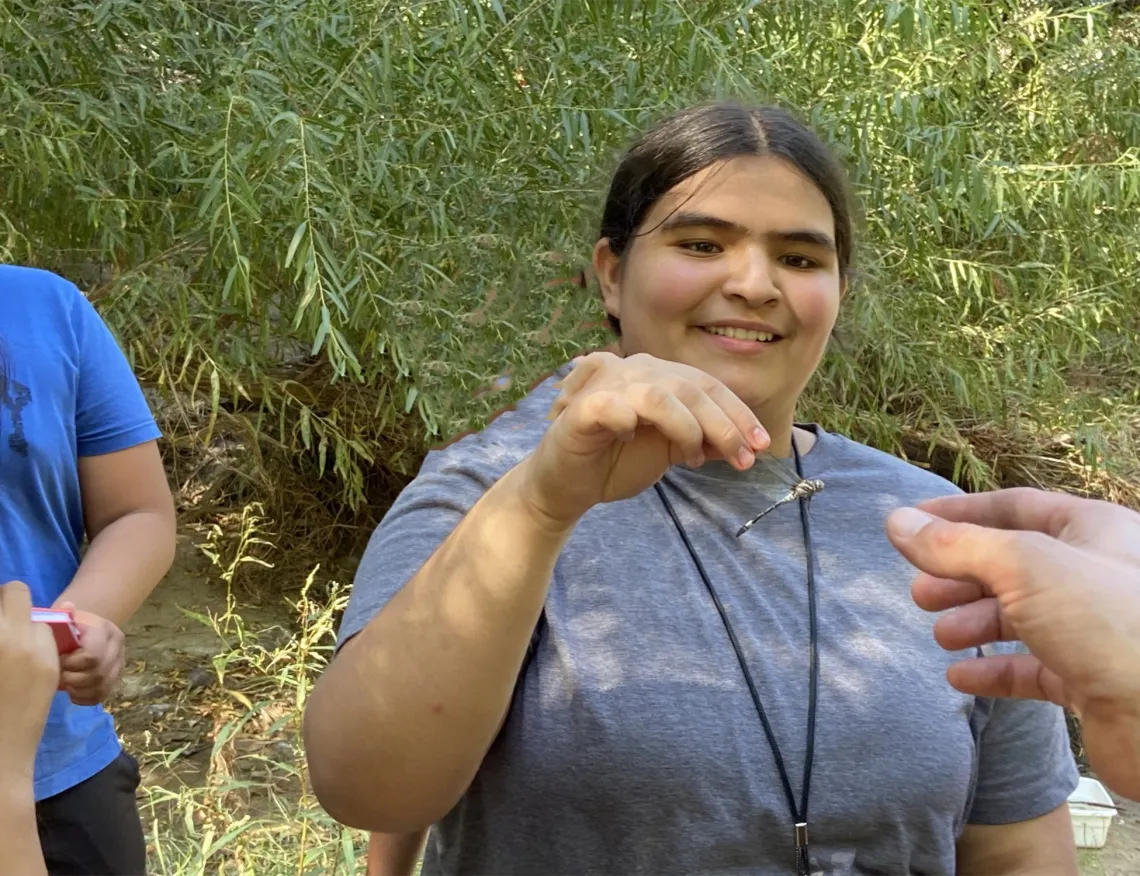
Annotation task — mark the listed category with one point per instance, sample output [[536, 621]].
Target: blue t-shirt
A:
[[66, 391]]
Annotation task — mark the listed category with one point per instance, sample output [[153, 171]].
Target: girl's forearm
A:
[[396, 727]]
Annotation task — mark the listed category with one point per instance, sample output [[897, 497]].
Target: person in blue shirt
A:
[[86, 522]]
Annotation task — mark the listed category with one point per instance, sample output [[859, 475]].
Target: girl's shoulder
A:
[[510, 435], [846, 462]]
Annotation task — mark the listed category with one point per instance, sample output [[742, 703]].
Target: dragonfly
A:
[[796, 486]]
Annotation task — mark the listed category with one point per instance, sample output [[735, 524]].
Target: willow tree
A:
[[335, 230]]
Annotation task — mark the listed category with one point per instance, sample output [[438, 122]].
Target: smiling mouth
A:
[[740, 334]]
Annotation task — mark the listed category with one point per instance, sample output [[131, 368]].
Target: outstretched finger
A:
[[44, 640], [1020, 508], [1009, 675], [999, 560]]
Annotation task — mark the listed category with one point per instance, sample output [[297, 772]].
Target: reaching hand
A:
[[28, 681], [1060, 574]]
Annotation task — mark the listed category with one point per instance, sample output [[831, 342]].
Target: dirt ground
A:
[[169, 672], [166, 707]]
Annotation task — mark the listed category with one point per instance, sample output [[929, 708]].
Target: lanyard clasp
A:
[[803, 865]]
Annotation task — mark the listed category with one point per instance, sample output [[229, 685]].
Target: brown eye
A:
[[703, 247], [797, 261]]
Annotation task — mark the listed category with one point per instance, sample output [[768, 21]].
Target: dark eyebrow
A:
[[815, 238], [683, 219]]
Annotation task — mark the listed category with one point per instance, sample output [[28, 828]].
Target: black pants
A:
[[94, 829]]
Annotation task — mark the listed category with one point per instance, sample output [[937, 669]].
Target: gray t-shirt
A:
[[632, 744]]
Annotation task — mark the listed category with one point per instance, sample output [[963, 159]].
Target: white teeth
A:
[[739, 333]]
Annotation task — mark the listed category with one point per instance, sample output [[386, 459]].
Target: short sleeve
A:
[[449, 484], [111, 413], [1025, 764]]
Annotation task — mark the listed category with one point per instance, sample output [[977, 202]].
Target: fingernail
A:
[[759, 436], [908, 522], [745, 457]]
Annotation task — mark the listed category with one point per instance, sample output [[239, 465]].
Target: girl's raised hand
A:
[[620, 423]]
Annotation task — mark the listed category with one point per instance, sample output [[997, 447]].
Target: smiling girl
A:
[[559, 654]]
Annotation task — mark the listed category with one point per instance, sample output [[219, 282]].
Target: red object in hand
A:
[[62, 625]]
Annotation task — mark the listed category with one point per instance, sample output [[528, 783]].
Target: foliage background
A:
[[333, 232], [325, 228]]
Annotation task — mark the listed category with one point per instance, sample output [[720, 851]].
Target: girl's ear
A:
[[607, 268]]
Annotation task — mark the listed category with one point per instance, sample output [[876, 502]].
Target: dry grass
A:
[[225, 789]]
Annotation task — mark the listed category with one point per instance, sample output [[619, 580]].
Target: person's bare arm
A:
[[19, 837], [129, 516], [1039, 847], [398, 724], [396, 728], [394, 854], [27, 684]]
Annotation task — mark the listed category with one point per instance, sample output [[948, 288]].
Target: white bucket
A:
[[1092, 811]]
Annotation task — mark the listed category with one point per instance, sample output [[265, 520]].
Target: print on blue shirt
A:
[[14, 397]]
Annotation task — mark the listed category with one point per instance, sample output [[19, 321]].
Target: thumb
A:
[[1000, 560], [70, 606]]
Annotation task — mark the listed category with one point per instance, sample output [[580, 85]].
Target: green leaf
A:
[[298, 236]]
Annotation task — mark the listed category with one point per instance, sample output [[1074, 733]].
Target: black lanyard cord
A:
[[799, 812]]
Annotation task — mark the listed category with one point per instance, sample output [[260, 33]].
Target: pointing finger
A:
[[999, 560], [1020, 508]]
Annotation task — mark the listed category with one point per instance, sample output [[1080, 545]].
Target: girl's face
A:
[[734, 271]]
